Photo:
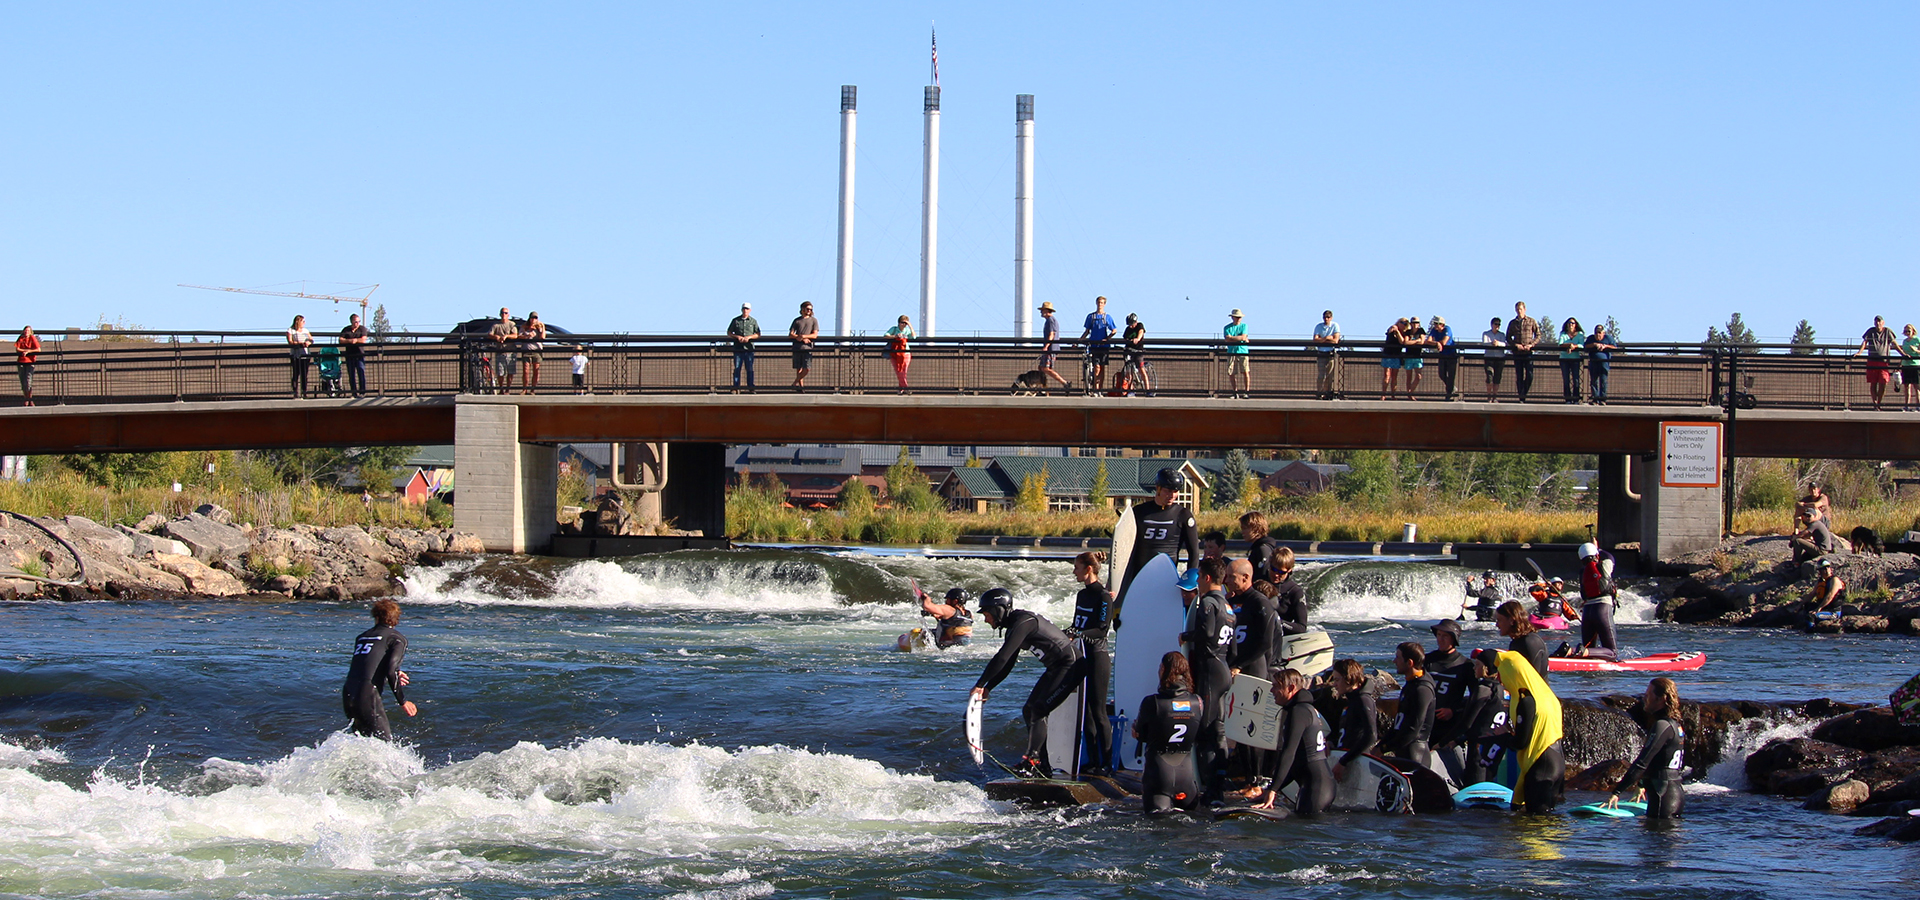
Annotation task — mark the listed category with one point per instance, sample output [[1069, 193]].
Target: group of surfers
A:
[[1462, 715]]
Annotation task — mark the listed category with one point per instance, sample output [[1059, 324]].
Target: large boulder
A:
[[199, 577], [215, 512], [1840, 797], [1868, 729], [465, 542], [210, 541], [1594, 733], [1898, 828], [1780, 766], [356, 542], [145, 545], [1602, 776], [95, 539]]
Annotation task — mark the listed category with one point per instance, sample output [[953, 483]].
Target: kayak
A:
[[1548, 623], [1658, 662]]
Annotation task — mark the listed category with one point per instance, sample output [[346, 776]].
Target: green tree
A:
[[908, 486], [1736, 335], [856, 499], [1613, 329], [117, 470], [1369, 480], [1032, 497], [378, 324], [1802, 339], [1233, 478], [1097, 489]]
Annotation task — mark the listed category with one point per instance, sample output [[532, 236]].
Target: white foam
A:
[[1743, 738], [602, 584], [13, 756]]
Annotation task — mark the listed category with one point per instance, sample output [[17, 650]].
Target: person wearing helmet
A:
[[1209, 639], [1092, 617], [1485, 598], [1829, 591], [1030, 631], [954, 622], [1598, 600], [1133, 339], [1161, 526]]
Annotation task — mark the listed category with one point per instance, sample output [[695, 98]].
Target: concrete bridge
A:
[[124, 397]]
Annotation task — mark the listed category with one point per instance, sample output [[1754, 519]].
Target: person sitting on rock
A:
[[1815, 539], [1829, 590]]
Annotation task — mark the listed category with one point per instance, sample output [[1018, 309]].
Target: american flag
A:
[[936, 56]]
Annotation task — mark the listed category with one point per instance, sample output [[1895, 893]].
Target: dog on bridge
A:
[[1865, 541], [1029, 383]]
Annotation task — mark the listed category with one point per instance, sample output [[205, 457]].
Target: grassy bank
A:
[[67, 494]]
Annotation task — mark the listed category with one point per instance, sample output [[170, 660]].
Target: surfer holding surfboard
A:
[[1160, 527], [1030, 631]]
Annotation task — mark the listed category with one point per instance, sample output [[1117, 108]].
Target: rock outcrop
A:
[[1753, 582]]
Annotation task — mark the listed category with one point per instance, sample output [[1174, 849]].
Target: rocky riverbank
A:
[[1753, 582], [207, 554]]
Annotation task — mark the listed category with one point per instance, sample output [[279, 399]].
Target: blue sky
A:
[[644, 167]]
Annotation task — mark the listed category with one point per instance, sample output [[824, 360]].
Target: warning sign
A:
[[1690, 454]]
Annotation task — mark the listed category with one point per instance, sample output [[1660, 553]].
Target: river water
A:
[[734, 725]]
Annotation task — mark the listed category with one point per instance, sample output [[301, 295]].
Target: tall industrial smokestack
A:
[[1023, 215], [843, 282], [930, 212]]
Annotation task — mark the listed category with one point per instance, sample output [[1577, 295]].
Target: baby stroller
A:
[[329, 364]]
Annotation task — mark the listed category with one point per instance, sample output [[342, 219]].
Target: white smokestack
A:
[[843, 282], [1023, 215], [930, 212]]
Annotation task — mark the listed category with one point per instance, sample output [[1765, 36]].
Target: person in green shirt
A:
[[741, 333], [1239, 366], [1573, 341], [1910, 369]]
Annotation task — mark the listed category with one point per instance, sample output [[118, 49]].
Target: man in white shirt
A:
[[1495, 340], [1326, 339]]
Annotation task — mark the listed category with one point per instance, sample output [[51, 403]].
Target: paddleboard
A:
[[1658, 662], [1253, 716], [1484, 795], [1627, 810], [1309, 654], [1371, 783], [1154, 619], [974, 706], [1548, 623], [1122, 550], [1064, 729]]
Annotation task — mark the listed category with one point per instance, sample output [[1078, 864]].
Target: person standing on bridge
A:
[[741, 333], [1573, 340], [1050, 343], [1099, 330], [803, 332], [900, 350], [300, 353], [502, 335], [533, 343], [1600, 347], [26, 352], [1326, 339], [353, 348], [1522, 333], [1881, 346], [1239, 362], [1495, 340]]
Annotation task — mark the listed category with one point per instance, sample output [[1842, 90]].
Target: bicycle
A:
[[1138, 371]]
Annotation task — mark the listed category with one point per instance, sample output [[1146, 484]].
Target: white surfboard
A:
[[1121, 552], [1370, 784], [1309, 654], [1063, 733], [1153, 619], [1253, 716], [974, 705]]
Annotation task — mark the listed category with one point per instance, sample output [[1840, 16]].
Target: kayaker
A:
[[1029, 631], [953, 624], [1656, 773], [1484, 599]]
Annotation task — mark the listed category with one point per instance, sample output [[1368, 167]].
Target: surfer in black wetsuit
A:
[[1092, 616], [1485, 715], [1209, 638], [1256, 628], [1166, 726], [1511, 619], [1412, 733], [1360, 721], [1485, 599], [1161, 526], [1261, 547], [1302, 756], [1535, 725], [1030, 631], [1290, 604], [954, 624], [377, 654], [1662, 762], [1452, 675]]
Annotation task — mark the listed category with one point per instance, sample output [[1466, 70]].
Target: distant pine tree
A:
[[379, 325], [1233, 476], [1802, 339], [1736, 335]]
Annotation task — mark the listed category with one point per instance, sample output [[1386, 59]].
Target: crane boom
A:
[[362, 300]]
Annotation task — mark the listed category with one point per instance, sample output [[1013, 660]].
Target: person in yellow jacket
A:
[[1534, 732]]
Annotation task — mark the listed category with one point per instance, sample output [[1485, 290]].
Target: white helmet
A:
[[1589, 549]]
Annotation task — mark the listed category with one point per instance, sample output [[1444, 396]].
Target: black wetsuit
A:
[[1256, 635], [1452, 687], [1302, 756], [1161, 530], [1360, 722], [1488, 600], [1291, 606], [1662, 763], [1209, 638], [1486, 710], [1167, 723], [1092, 612], [1030, 631], [1260, 553], [1534, 647], [377, 653], [1542, 784], [1412, 732]]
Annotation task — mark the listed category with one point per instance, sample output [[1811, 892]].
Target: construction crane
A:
[[362, 300]]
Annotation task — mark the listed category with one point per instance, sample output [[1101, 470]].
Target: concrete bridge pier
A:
[[681, 484], [503, 488], [1633, 506]]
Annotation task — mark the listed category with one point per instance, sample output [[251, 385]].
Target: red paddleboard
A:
[[1658, 662]]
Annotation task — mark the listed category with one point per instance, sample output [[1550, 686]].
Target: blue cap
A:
[[1191, 580]]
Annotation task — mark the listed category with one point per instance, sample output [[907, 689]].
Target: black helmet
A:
[[1132, 318], [1171, 479], [958, 596], [998, 601]]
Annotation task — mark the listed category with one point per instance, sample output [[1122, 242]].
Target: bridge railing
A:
[[151, 366]]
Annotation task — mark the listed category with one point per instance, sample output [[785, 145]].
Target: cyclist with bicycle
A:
[[1133, 341], [1099, 331]]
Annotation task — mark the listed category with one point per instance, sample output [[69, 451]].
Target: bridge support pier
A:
[[503, 488], [1633, 506]]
